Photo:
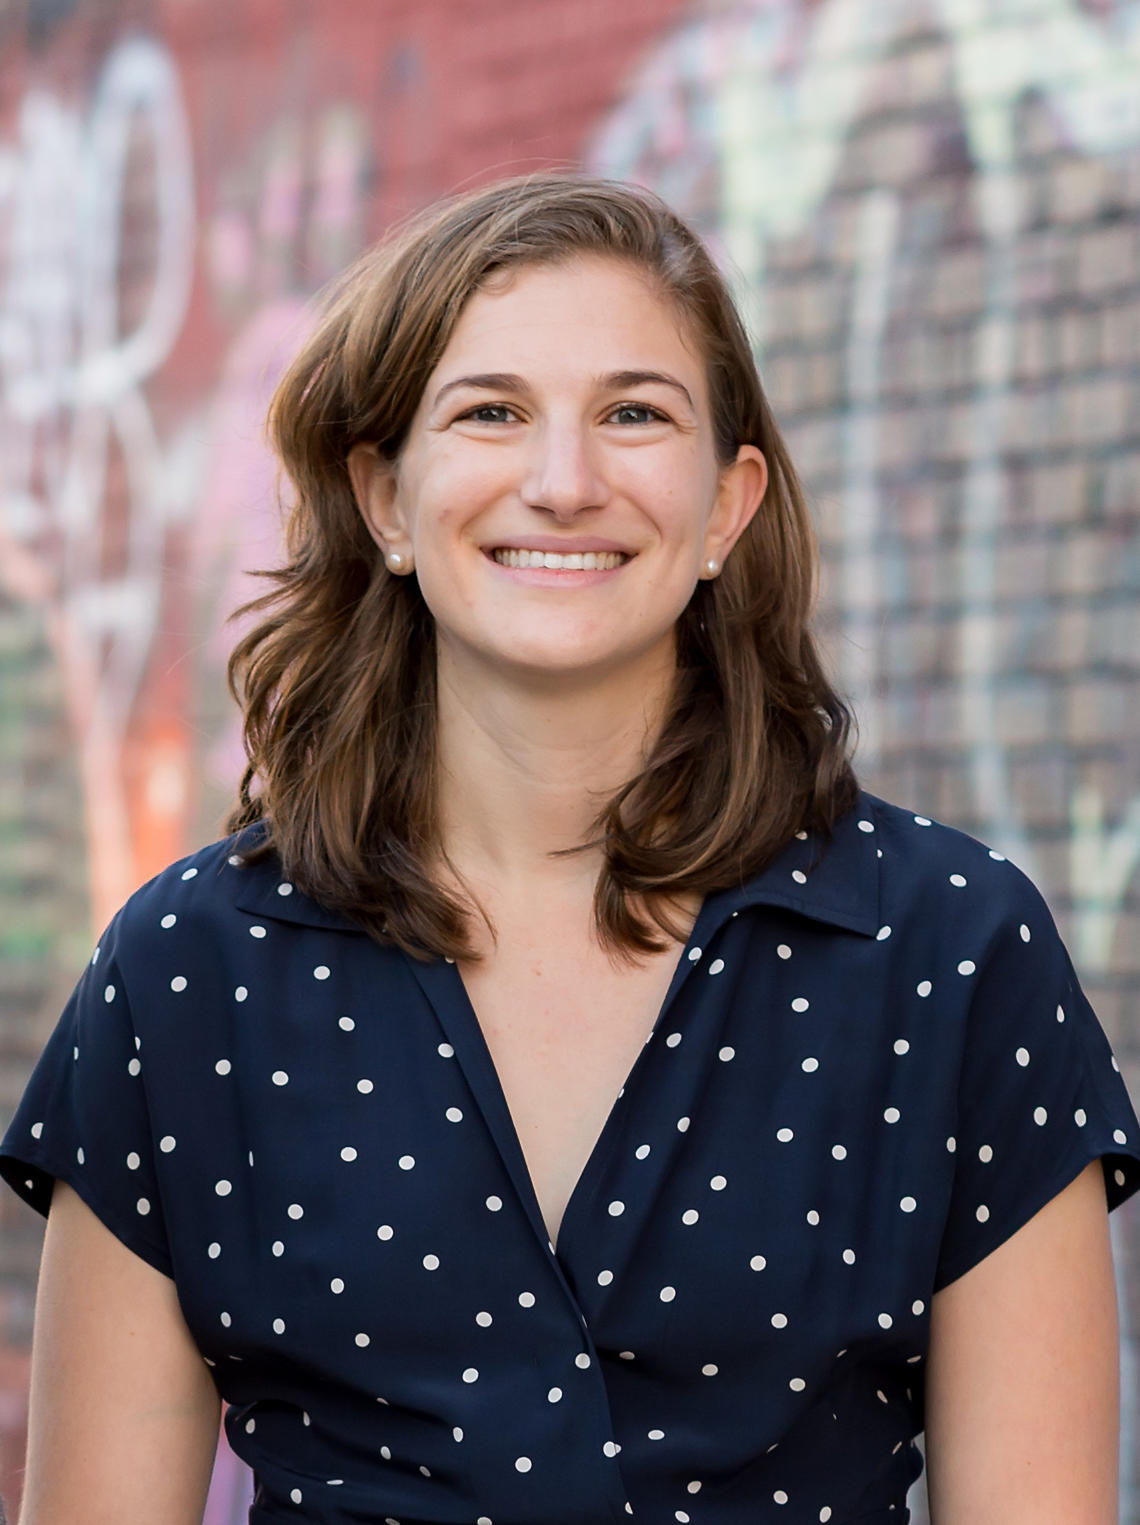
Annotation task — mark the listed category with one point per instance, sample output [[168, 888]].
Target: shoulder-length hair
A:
[[338, 680]]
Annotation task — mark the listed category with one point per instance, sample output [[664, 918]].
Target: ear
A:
[[375, 485], [740, 493]]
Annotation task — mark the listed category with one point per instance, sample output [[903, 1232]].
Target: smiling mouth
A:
[[553, 561]]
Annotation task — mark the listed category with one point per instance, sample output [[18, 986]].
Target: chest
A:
[[564, 1024]]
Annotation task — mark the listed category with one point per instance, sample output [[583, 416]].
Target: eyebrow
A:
[[506, 381]]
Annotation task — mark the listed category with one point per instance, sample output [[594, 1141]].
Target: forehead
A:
[[587, 315]]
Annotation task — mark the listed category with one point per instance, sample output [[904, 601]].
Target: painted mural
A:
[[930, 214]]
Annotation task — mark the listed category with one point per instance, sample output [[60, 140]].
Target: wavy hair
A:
[[337, 680]]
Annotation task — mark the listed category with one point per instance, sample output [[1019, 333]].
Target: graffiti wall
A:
[[930, 214]]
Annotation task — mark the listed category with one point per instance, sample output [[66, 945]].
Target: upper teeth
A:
[[580, 561]]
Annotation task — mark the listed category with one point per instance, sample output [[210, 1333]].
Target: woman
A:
[[549, 803]]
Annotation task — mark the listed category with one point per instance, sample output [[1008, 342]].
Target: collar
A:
[[834, 880]]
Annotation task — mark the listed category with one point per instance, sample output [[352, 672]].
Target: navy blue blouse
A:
[[872, 1066]]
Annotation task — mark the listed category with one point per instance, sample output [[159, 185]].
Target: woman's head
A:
[[339, 682]]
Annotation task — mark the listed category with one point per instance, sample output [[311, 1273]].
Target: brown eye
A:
[[636, 413], [482, 414]]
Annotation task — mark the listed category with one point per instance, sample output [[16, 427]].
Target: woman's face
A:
[[559, 493]]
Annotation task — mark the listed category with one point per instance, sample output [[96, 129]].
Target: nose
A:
[[562, 473]]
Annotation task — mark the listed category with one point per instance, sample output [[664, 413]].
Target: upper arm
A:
[[124, 1413], [1022, 1388]]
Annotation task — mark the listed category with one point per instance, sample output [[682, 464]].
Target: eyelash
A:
[[656, 415]]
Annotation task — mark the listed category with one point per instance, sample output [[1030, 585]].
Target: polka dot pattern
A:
[[826, 1021]]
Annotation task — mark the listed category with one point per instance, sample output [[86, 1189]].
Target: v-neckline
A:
[[443, 983]]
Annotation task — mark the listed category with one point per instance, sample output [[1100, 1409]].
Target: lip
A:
[[557, 545]]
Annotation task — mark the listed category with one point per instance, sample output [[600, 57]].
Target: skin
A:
[[549, 693]]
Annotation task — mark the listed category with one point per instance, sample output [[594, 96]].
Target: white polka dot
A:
[[1022, 1057], [681, 1517], [908, 1204], [1060, 1013], [431, 1262], [951, 1145], [494, 1204], [922, 820], [178, 983], [348, 1154], [365, 1087], [891, 1115], [849, 1257], [1040, 1116], [36, 1130], [809, 1065], [134, 1067], [882, 934], [604, 1278], [801, 1003], [280, 1078], [1080, 1117], [812, 1217], [406, 1162], [582, 1360], [363, 1341], [718, 1183], [527, 1300], [278, 1248], [797, 1384], [885, 1321], [109, 993], [168, 920], [616, 1209], [250, 1426], [296, 1495], [901, 1046], [693, 1487], [1115, 1065], [1026, 934], [1118, 1177], [609, 1449], [682, 1125], [225, 1320], [967, 966], [655, 1435], [982, 1214], [985, 1154], [191, 873], [453, 1115], [1119, 1136], [284, 888], [694, 955], [385, 1231], [222, 1067], [783, 951], [780, 1497], [710, 1369], [672, 1040], [523, 1463], [257, 931], [346, 1024], [866, 825], [554, 1395], [923, 988], [785, 1135], [142, 1207], [825, 1513], [838, 1152], [133, 1160], [295, 1210], [799, 876], [918, 1307], [779, 1321], [958, 881], [223, 1188], [726, 1053], [667, 1294], [716, 966], [641, 1152], [321, 972], [235, 860], [167, 1144], [278, 1326]]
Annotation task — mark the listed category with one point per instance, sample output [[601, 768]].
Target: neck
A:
[[524, 770]]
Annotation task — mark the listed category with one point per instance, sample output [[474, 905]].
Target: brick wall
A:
[[931, 211]]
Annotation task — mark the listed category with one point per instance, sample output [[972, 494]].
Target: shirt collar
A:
[[833, 879]]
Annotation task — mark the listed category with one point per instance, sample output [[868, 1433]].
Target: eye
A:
[[637, 413], [488, 413]]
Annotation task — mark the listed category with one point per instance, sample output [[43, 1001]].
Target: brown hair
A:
[[338, 680]]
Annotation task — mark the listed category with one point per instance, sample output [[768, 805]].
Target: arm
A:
[[124, 1413], [1022, 1405]]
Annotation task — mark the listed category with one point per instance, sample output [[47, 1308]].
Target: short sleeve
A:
[[84, 1119], [1040, 1093]]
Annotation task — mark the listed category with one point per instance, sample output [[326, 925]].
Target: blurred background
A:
[[929, 209]]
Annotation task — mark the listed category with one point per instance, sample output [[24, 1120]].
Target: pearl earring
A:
[[395, 561], [712, 567]]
